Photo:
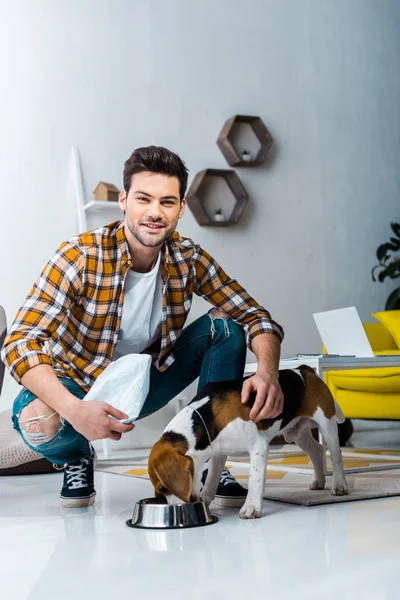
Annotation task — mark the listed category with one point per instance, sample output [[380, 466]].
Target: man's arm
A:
[[269, 398], [226, 294], [44, 309], [91, 419], [263, 335], [267, 348]]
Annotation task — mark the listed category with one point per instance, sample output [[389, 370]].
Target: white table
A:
[[325, 362]]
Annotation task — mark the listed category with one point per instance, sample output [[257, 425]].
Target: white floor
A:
[[348, 551]]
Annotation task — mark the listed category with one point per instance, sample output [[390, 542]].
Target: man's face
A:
[[152, 207]]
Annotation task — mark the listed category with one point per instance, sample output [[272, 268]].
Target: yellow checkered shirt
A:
[[71, 317]]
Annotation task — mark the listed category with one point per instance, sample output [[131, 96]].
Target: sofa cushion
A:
[[390, 319], [379, 337], [363, 405], [378, 379]]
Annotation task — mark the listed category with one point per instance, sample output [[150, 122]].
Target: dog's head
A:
[[171, 472]]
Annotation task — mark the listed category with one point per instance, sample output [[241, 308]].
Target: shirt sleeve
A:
[[215, 286], [45, 307]]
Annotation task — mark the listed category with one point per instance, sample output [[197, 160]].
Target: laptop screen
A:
[[343, 333]]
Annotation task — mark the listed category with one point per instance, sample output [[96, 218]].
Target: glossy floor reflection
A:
[[347, 551]]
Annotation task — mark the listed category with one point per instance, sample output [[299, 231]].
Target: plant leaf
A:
[[373, 272], [391, 271], [395, 228], [393, 301], [382, 275], [382, 251]]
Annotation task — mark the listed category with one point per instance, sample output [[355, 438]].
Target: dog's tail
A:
[[306, 369], [339, 416]]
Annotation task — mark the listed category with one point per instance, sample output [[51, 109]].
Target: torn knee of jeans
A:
[[218, 313], [41, 429], [213, 318]]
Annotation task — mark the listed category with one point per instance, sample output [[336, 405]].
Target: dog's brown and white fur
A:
[[217, 414]]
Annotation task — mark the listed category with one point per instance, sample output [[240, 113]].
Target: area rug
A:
[[289, 474]]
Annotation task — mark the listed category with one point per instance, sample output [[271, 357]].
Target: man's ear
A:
[[122, 200], [182, 208], [175, 472]]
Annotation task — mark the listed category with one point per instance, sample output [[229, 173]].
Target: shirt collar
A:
[[122, 243], [125, 254]]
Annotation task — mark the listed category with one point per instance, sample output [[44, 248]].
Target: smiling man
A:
[[127, 288]]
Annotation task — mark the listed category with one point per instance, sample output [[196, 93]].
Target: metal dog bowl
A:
[[154, 513]]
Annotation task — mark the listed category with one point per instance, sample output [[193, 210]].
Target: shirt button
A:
[[122, 262], [129, 262]]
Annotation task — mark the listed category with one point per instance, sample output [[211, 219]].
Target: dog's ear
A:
[[175, 474]]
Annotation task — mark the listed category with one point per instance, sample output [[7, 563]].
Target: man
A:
[[127, 288]]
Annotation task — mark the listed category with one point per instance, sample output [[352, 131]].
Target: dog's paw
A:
[[208, 493], [339, 487], [207, 498], [317, 484], [248, 511]]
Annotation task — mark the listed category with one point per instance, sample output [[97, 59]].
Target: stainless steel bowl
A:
[[154, 513]]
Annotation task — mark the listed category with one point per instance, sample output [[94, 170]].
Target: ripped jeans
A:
[[211, 348]]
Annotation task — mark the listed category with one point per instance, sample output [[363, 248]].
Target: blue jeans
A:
[[210, 348]]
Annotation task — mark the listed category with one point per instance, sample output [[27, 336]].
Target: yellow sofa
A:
[[369, 393]]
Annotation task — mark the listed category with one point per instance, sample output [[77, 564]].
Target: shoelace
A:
[[226, 478], [76, 474]]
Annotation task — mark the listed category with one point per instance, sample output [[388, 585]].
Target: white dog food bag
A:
[[124, 384]]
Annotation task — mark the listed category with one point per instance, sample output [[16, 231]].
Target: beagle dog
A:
[[216, 424]]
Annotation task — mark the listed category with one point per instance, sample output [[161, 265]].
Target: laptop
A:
[[342, 332]]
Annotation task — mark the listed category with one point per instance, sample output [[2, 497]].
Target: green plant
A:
[[389, 265]]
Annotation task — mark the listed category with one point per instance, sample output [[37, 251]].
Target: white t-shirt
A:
[[142, 312]]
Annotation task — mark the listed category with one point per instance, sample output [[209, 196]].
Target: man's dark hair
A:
[[157, 160]]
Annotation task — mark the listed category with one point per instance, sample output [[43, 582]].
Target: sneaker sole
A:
[[77, 502], [229, 502]]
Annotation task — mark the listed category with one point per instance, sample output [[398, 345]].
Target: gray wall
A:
[[113, 75]]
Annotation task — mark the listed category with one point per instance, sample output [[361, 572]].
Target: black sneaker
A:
[[229, 492], [78, 488]]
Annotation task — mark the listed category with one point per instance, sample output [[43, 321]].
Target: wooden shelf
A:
[[215, 189], [240, 132]]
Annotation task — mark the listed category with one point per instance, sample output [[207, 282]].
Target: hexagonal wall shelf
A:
[[217, 197], [244, 141]]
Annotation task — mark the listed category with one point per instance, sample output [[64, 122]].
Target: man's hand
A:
[[269, 397], [92, 420]]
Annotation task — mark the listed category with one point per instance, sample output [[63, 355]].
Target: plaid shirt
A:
[[71, 317]]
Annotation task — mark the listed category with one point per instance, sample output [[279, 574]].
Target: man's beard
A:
[[139, 234]]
